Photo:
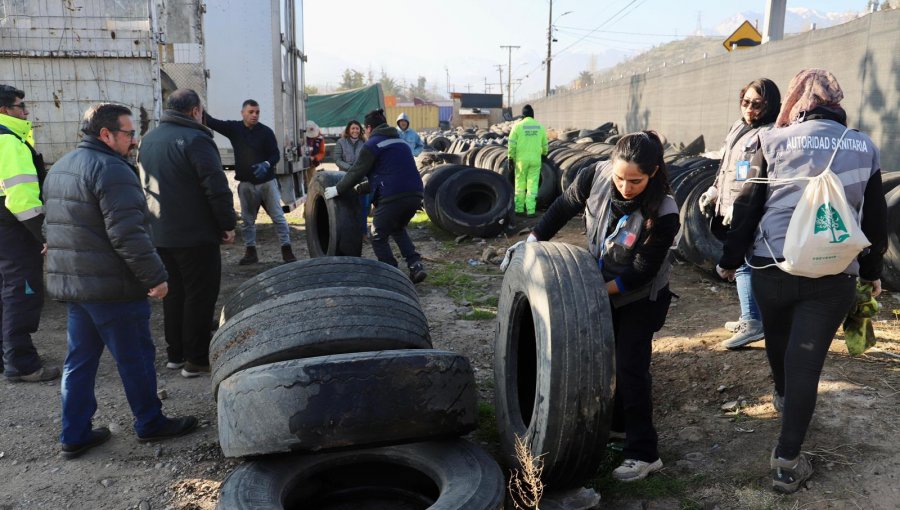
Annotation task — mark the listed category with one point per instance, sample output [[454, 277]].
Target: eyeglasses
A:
[[129, 133], [20, 105], [753, 105]]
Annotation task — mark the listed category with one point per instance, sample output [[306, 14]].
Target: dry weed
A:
[[525, 486]]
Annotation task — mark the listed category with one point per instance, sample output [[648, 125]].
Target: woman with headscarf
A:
[[759, 103], [800, 314]]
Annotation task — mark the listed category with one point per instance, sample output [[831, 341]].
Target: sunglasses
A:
[[20, 105], [753, 105], [129, 133]]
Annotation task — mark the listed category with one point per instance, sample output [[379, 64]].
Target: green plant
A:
[[487, 424], [461, 282]]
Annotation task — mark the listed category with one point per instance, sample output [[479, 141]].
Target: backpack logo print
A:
[[828, 219]]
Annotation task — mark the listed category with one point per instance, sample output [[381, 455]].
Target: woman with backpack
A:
[[801, 314]]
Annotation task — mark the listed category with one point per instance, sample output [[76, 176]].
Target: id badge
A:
[[742, 171]]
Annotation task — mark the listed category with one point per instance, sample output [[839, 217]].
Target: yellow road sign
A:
[[745, 36]]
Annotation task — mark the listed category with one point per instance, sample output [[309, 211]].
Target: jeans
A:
[[390, 220], [749, 308], [123, 328], [21, 299], [800, 317], [251, 196], [190, 305]]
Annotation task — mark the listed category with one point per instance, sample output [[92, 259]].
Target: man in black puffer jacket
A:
[[102, 262]]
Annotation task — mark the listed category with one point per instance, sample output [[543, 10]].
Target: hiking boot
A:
[[789, 474], [249, 257], [287, 254], [633, 470], [40, 375], [174, 427], [777, 402], [417, 272], [191, 370], [98, 437], [732, 326], [747, 332]]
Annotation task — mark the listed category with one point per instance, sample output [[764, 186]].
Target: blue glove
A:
[[260, 170]]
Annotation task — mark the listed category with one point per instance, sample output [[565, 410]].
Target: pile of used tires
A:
[[465, 200], [327, 363]]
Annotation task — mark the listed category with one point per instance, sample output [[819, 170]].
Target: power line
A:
[[621, 33]]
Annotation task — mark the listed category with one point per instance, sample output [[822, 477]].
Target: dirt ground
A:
[[713, 458]]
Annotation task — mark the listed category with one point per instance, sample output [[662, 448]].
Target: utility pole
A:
[[549, 44], [500, 70], [448, 80], [509, 74]]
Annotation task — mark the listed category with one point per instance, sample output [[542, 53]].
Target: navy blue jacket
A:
[[387, 161]]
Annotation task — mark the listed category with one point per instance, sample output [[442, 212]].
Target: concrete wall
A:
[[687, 100]]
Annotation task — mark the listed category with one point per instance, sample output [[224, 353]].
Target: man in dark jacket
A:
[[102, 262], [255, 156], [192, 213], [388, 162]]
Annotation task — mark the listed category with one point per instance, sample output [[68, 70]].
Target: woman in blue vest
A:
[[801, 314], [632, 224]]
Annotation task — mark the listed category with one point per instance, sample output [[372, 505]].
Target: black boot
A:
[[417, 272], [287, 254], [249, 257]]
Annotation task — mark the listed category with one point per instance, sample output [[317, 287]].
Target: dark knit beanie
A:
[[375, 118], [527, 111]]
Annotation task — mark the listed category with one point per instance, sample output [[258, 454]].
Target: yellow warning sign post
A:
[[745, 36]]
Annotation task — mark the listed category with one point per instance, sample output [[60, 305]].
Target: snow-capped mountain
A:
[[796, 19]]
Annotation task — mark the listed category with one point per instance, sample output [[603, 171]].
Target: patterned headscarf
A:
[[809, 89]]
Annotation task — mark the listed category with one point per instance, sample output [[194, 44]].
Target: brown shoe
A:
[[287, 254], [40, 375], [249, 257]]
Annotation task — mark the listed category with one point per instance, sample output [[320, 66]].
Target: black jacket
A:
[[187, 191], [97, 227], [251, 146]]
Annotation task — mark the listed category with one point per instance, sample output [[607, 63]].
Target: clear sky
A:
[[460, 41]]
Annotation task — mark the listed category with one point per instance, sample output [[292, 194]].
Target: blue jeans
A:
[[268, 195], [749, 309], [124, 328]]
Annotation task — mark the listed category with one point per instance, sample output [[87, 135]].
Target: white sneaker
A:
[[732, 326], [174, 365], [633, 470]]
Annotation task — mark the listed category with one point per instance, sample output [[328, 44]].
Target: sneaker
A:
[[191, 370], [174, 365], [287, 254], [417, 272], [789, 474], [40, 375], [633, 470], [98, 437], [748, 331], [250, 257], [732, 326], [174, 427], [777, 402]]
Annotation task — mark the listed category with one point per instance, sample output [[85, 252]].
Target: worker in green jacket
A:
[[527, 144]]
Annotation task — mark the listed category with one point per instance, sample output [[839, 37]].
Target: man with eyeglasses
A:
[[192, 214], [22, 243]]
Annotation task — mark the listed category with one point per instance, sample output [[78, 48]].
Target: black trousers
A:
[[390, 220], [634, 325], [194, 277], [800, 317], [21, 299]]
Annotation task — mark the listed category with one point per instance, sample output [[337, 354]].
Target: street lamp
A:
[[551, 40]]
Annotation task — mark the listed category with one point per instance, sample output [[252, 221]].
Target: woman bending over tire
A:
[[632, 224]]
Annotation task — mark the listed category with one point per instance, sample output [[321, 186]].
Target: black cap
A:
[[527, 111]]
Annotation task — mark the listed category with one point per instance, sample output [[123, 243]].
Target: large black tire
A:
[[554, 361], [889, 181], [439, 175], [317, 273], [475, 202], [317, 322], [332, 226], [698, 245], [440, 143], [355, 399], [438, 475], [890, 272], [548, 186]]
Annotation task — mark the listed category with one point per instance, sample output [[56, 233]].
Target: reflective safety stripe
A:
[[18, 179], [389, 141], [30, 213]]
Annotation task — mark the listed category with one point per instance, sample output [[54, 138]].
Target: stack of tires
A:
[[464, 200], [334, 353], [690, 177], [554, 365]]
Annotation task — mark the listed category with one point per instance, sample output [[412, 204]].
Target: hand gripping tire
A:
[[317, 322], [439, 475], [355, 399], [554, 365], [475, 202], [332, 226], [317, 273]]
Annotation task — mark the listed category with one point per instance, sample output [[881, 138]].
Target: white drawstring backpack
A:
[[823, 236]]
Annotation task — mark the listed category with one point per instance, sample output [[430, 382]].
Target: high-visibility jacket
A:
[[527, 140], [20, 176]]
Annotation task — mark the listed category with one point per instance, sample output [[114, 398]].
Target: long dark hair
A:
[[645, 150], [362, 132], [772, 97]]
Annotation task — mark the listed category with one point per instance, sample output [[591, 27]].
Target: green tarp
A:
[[336, 110]]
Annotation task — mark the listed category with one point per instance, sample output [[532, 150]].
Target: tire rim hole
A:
[[323, 230], [476, 200], [364, 486], [526, 357]]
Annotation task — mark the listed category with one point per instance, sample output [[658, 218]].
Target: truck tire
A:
[[475, 202], [439, 175], [698, 245], [440, 475], [548, 186], [354, 399], [332, 226], [317, 322], [890, 272], [317, 273], [554, 361]]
